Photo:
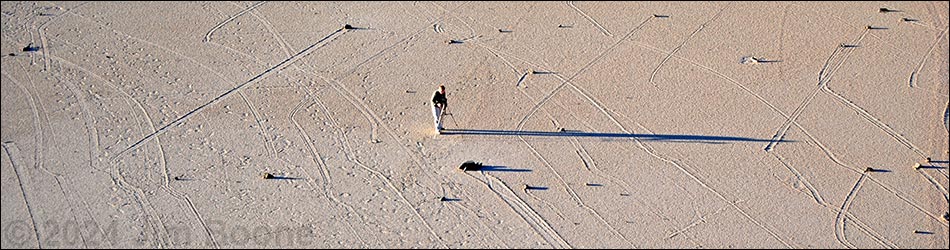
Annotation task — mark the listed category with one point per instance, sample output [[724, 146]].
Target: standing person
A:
[[439, 103]]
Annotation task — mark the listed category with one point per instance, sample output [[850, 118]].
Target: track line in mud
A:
[[528, 214], [824, 149], [483, 225], [700, 221], [368, 114], [589, 18], [691, 35], [324, 168], [591, 166], [316, 157], [136, 193], [40, 139], [839, 221], [572, 193], [566, 81], [374, 119], [936, 184], [823, 79], [43, 41], [29, 208], [811, 188], [602, 109], [221, 24], [818, 143], [254, 79]]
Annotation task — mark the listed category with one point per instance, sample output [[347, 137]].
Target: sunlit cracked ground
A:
[[600, 124]]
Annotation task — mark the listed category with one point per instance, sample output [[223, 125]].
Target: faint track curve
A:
[[29, 208], [591, 19], [221, 24], [254, 79], [528, 214], [914, 75], [670, 55], [839, 221]]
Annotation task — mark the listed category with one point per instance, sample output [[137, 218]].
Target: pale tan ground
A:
[[145, 124]]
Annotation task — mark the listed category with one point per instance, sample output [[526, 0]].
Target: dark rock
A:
[[31, 48], [470, 166], [886, 10]]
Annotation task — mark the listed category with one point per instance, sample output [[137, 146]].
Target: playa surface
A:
[[599, 125]]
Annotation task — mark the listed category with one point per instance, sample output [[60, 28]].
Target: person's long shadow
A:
[[651, 137]]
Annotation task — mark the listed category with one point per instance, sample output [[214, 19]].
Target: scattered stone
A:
[[470, 166], [869, 169], [886, 10], [528, 187], [31, 48], [749, 60]]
